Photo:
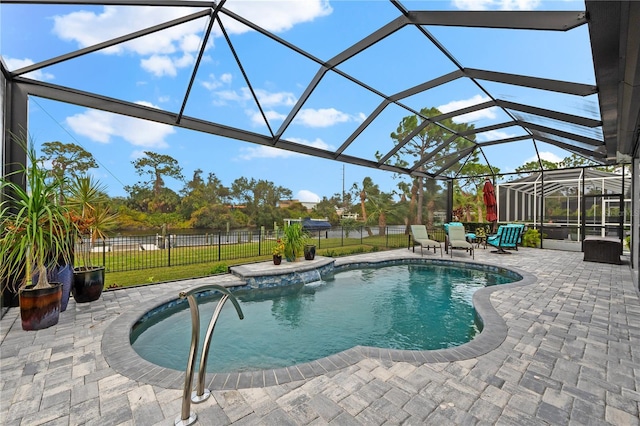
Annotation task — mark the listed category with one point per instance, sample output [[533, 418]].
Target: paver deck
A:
[[569, 354]]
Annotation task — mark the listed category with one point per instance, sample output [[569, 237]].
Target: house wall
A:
[[635, 219]]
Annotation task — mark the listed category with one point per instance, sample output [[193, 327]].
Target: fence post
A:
[[220, 245], [104, 255], [361, 231], [387, 235], [260, 241], [168, 250]]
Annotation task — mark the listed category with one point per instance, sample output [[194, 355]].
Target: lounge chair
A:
[[420, 236], [508, 236], [458, 240], [446, 234]]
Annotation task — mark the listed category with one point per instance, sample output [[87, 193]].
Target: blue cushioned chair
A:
[[508, 236]]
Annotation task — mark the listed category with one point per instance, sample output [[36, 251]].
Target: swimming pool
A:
[[410, 306]]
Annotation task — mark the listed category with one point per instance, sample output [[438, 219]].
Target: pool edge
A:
[[122, 358]]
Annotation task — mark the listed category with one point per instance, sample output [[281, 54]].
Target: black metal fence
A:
[[129, 253]]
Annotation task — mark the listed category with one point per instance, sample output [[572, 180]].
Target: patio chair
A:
[[508, 236], [420, 236], [458, 240], [446, 234]]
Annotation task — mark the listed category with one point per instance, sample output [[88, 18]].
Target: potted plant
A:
[[88, 203], [278, 251], [294, 240], [35, 236], [309, 251]]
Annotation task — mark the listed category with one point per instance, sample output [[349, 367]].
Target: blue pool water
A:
[[402, 307]]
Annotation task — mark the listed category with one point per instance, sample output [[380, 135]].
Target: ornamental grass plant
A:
[[295, 238], [36, 232]]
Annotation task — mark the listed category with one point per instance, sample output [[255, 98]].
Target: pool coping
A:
[[121, 356]]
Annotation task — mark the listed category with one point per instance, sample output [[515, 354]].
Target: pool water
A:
[[414, 307]]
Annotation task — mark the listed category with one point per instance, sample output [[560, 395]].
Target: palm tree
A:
[[381, 207], [367, 189], [88, 201]]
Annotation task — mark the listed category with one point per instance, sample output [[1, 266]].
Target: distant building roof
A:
[[309, 224]]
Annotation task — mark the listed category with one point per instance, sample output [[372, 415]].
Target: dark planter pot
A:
[[65, 277], [62, 274], [277, 259], [87, 284], [40, 308], [309, 251]]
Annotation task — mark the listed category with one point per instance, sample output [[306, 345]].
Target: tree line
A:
[[205, 202]]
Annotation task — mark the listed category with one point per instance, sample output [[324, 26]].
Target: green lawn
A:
[[201, 263]]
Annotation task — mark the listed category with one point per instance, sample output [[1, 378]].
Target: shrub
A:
[[531, 238], [220, 268]]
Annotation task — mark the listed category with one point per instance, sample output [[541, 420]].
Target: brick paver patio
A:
[[569, 353]]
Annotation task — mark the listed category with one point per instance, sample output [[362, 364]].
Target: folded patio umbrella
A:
[[489, 196]]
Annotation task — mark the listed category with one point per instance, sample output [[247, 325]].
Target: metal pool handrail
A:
[[201, 394]]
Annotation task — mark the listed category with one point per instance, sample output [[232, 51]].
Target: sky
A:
[[155, 70]]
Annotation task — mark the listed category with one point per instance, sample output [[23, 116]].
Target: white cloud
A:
[[323, 117], [545, 155], [494, 135], [276, 16], [214, 82], [96, 125], [271, 99], [186, 60], [267, 99], [487, 113], [101, 126], [496, 4], [159, 65], [305, 195], [317, 143], [87, 28], [15, 64], [308, 117], [224, 96], [261, 151], [272, 116], [190, 43]]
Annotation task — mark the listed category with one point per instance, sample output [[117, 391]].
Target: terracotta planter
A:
[[87, 284], [277, 259], [40, 308]]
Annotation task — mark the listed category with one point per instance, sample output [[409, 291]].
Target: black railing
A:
[[128, 253]]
